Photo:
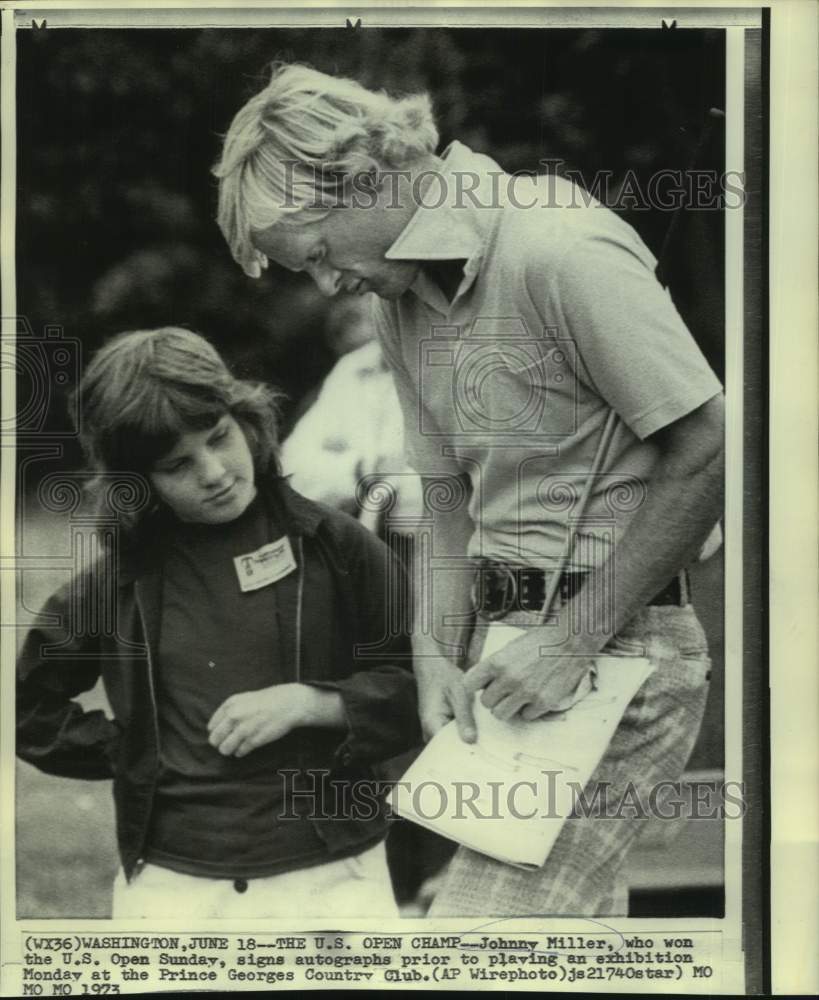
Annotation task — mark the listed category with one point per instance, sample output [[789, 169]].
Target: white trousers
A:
[[358, 886]]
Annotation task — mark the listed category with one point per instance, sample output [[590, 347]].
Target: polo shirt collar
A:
[[455, 230]]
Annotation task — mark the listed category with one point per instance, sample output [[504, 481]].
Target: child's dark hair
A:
[[143, 389]]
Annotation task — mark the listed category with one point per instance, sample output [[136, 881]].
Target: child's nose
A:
[[211, 470]]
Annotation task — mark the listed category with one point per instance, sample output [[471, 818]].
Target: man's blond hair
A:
[[295, 145]]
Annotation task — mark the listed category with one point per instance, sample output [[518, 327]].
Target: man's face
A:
[[208, 476], [344, 251]]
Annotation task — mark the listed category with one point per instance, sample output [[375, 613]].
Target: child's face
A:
[[208, 476]]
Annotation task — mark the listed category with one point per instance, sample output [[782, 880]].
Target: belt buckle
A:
[[509, 591]]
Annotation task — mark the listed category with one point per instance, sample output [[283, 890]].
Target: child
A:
[[250, 671]]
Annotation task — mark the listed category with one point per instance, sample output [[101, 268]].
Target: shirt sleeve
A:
[[634, 349]]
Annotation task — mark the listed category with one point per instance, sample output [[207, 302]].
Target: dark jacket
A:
[[333, 630]]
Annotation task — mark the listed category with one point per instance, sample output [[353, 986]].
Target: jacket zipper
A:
[[297, 663], [155, 713], [299, 596]]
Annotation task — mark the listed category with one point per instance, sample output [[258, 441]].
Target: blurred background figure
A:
[[352, 428]]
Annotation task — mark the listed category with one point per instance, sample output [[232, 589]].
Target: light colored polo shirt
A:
[[558, 317]]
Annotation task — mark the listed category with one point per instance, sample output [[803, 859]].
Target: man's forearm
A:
[[442, 597], [683, 502], [442, 585]]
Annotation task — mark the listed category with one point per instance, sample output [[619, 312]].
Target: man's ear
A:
[[367, 188]]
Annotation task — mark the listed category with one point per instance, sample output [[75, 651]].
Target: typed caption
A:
[[608, 960]]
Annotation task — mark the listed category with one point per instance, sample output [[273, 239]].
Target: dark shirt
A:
[[213, 814]]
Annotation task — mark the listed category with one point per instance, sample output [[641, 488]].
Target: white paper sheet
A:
[[508, 794]]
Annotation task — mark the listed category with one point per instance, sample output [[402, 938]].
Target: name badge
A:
[[265, 566]]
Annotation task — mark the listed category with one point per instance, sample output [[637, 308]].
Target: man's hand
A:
[[246, 721], [443, 697], [516, 680]]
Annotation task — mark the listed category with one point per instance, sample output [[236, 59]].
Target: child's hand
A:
[[246, 721]]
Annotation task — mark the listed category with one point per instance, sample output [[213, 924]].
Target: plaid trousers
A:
[[581, 876]]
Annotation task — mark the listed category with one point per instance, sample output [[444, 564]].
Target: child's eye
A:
[[172, 467]]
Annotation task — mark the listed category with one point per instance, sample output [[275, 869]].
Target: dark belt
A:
[[499, 589]]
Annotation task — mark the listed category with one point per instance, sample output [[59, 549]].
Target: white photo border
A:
[[786, 415]]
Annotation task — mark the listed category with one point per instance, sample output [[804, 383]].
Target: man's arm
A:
[[441, 693], [683, 503]]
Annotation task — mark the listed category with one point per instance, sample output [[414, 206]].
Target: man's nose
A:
[[328, 279]]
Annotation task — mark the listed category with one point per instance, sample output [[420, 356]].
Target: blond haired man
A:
[[516, 313]]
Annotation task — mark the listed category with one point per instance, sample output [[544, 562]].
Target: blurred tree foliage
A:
[[117, 130]]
